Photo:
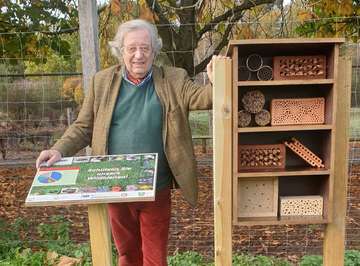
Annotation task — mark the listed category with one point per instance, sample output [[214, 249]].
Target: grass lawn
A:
[[199, 123], [355, 123]]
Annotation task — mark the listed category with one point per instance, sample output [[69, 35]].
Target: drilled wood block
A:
[[259, 157], [305, 153], [297, 111], [301, 206], [258, 197], [299, 67]]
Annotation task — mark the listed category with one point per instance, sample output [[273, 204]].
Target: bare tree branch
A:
[[247, 4], [224, 41], [166, 32], [106, 21], [102, 8], [154, 6]]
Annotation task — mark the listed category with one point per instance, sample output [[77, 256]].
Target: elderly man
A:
[[137, 107]]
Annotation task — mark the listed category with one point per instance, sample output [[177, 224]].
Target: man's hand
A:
[[209, 67], [48, 156]]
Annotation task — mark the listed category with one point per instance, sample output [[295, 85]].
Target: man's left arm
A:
[[200, 97], [197, 97]]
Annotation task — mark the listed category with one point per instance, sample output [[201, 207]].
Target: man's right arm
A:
[[76, 137]]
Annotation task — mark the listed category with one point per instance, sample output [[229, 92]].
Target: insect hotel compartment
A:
[[257, 197], [298, 192], [255, 67], [309, 104], [257, 157], [285, 62], [317, 141]]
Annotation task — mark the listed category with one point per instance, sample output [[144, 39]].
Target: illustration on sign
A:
[[95, 179]]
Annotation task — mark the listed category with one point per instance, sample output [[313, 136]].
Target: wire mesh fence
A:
[[40, 96]]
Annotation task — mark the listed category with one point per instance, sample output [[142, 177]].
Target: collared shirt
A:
[[126, 76]]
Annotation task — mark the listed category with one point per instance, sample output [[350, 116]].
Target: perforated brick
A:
[[299, 67], [297, 111], [305, 153], [257, 157]]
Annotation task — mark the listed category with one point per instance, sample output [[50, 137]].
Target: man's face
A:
[[137, 53]]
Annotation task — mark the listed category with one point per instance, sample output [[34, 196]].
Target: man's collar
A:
[[134, 81]]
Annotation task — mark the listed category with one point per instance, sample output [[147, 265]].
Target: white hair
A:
[[133, 25]]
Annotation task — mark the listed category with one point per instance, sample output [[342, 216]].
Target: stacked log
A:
[[244, 118], [253, 102], [263, 118]]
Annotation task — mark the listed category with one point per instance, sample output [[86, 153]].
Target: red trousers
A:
[[140, 230]]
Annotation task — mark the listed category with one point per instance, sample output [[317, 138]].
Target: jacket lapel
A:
[[112, 94], [160, 88]]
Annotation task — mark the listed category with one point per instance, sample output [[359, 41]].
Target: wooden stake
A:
[[222, 115], [334, 239], [100, 237]]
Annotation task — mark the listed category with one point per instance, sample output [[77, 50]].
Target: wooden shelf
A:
[[291, 41], [298, 171], [284, 128], [285, 82], [269, 221]]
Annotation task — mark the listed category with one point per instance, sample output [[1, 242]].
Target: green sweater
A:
[[136, 125]]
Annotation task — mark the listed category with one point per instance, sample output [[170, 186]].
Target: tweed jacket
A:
[[177, 94]]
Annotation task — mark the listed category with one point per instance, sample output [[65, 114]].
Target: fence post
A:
[[100, 237]]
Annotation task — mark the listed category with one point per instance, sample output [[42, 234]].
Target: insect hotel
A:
[[280, 139]]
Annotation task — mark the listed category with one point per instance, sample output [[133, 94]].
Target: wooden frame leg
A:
[[100, 235], [334, 239], [222, 102]]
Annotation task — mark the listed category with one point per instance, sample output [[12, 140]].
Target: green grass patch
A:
[[355, 123], [199, 123]]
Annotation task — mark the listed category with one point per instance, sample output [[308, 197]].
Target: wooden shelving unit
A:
[[319, 138], [264, 187]]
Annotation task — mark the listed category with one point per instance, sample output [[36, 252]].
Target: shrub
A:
[[311, 260], [352, 258], [188, 258], [248, 260]]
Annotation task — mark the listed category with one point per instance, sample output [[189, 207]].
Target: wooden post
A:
[[222, 143], [98, 218], [100, 237], [88, 20], [334, 239]]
